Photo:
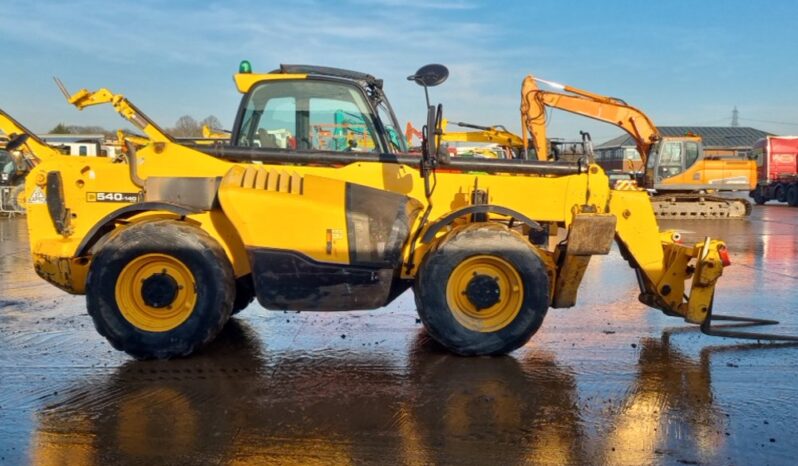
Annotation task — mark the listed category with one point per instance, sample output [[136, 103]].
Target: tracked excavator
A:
[[683, 181], [168, 245]]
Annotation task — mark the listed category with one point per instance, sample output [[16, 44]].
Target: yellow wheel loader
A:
[[166, 245]]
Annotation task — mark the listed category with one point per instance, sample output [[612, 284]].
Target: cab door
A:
[[315, 240], [665, 162], [671, 161]]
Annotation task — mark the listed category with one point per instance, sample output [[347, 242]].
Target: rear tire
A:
[[482, 291], [792, 195], [781, 193], [160, 289]]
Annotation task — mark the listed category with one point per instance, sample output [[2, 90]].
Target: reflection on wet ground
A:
[[605, 382]]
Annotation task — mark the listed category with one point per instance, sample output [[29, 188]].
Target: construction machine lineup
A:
[[684, 181], [676, 169], [171, 239]]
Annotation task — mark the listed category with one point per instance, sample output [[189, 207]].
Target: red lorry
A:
[[777, 170]]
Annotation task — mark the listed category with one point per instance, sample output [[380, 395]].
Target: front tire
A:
[[160, 289], [482, 291], [756, 194]]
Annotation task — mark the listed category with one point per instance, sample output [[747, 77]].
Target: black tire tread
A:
[[792, 195], [245, 293], [204, 243], [483, 238]]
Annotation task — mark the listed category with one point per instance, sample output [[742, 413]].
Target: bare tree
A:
[[211, 122], [186, 127], [62, 128]]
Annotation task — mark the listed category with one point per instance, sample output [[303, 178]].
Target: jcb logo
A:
[[111, 197]]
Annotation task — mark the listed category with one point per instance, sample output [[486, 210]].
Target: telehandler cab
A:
[[169, 244]]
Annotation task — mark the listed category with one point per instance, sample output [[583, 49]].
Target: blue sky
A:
[[682, 62]]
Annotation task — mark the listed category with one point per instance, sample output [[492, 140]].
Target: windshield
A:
[[308, 115]]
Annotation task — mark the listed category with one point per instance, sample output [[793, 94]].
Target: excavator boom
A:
[[683, 174], [598, 107]]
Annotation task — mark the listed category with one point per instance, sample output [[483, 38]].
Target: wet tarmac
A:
[[606, 382]]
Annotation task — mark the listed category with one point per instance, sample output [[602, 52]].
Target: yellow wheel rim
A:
[[130, 293], [502, 280]]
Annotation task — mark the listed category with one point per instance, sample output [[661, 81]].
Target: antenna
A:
[[735, 118]]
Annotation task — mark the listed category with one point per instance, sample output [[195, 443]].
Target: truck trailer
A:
[[777, 170]]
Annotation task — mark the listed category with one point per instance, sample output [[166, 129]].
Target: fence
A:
[[7, 205]]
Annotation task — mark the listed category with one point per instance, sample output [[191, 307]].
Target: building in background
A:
[[84, 145], [719, 141]]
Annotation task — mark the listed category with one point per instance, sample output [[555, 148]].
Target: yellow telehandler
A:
[[166, 246]]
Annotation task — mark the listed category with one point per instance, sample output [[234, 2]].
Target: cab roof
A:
[[329, 71], [373, 86]]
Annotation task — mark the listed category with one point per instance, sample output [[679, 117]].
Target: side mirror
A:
[[430, 75], [16, 141]]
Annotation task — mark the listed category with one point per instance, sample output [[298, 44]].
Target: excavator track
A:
[[699, 206]]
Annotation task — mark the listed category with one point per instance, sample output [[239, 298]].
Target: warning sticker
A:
[[37, 196]]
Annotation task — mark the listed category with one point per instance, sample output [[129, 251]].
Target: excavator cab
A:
[[681, 164], [671, 157]]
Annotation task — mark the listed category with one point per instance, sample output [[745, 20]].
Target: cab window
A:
[[691, 153], [308, 115], [670, 160], [276, 126], [396, 140], [758, 155]]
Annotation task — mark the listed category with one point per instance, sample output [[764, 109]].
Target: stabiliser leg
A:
[[724, 330]]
